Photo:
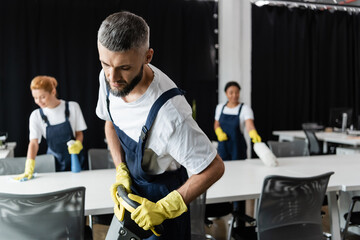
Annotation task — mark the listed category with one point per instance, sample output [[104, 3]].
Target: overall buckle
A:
[[143, 134]]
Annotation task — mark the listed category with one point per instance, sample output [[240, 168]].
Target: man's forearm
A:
[[113, 143], [199, 183]]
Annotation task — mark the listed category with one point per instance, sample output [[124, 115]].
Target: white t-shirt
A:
[[175, 138], [56, 115], [245, 114]]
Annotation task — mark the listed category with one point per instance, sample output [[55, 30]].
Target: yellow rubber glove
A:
[[123, 178], [75, 147], [150, 214], [220, 134], [29, 170], [254, 136]]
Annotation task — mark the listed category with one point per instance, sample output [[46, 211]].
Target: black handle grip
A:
[[121, 192]]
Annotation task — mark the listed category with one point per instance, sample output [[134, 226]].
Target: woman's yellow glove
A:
[[123, 178], [29, 170], [150, 214], [220, 134], [254, 136], [75, 147]]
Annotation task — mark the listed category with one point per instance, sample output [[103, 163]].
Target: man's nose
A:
[[114, 75]]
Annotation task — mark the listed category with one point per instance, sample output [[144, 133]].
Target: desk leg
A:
[[334, 215], [325, 147]]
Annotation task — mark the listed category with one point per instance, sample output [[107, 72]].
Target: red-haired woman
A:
[[56, 120]]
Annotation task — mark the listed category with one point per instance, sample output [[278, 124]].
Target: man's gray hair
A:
[[123, 31]]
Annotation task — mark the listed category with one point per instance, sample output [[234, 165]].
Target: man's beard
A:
[[129, 87]]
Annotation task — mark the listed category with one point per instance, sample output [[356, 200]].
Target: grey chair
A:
[[289, 149], [352, 218], [54, 215], [16, 165], [100, 158], [289, 207], [315, 147], [197, 216]]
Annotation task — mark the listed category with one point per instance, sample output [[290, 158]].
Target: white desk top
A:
[[8, 151], [241, 180], [96, 182], [4, 153], [334, 137]]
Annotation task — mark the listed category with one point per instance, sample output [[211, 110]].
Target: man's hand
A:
[[123, 178], [150, 214], [29, 170]]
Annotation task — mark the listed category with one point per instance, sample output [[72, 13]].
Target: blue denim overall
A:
[[154, 187], [57, 137], [235, 147]]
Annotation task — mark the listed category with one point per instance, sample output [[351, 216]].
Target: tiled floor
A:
[[218, 230]]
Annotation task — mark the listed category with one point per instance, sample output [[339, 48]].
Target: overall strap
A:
[[44, 117], [67, 112], [108, 101], [241, 105], [155, 109], [223, 107]]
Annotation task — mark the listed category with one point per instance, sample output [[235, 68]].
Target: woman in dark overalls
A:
[[56, 120], [230, 118]]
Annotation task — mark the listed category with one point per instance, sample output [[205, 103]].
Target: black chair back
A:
[[314, 144], [55, 215], [289, 149], [289, 207]]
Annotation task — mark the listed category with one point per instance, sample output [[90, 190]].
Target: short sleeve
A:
[[35, 126], [246, 113], [218, 111], [191, 147], [80, 124], [101, 107]]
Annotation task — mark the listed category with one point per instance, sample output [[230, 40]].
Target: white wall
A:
[[235, 46], [235, 49]]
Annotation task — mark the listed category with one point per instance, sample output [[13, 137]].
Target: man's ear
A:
[[149, 55]]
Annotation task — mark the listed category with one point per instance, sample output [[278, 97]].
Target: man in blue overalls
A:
[[150, 131]]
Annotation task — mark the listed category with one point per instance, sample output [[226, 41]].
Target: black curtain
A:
[[304, 62], [58, 38]]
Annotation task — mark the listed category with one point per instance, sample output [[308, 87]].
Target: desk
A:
[[8, 151], [96, 182], [332, 137], [242, 180]]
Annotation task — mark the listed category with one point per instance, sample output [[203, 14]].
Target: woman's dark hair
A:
[[230, 84]]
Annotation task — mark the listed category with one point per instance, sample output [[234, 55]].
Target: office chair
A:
[[16, 165], [315, 147], [289, 149], [289, 207], [352, 218], [100, 158], [54, 215], [197, 215]]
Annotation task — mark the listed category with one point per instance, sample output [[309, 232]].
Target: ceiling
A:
[[345, 5]]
